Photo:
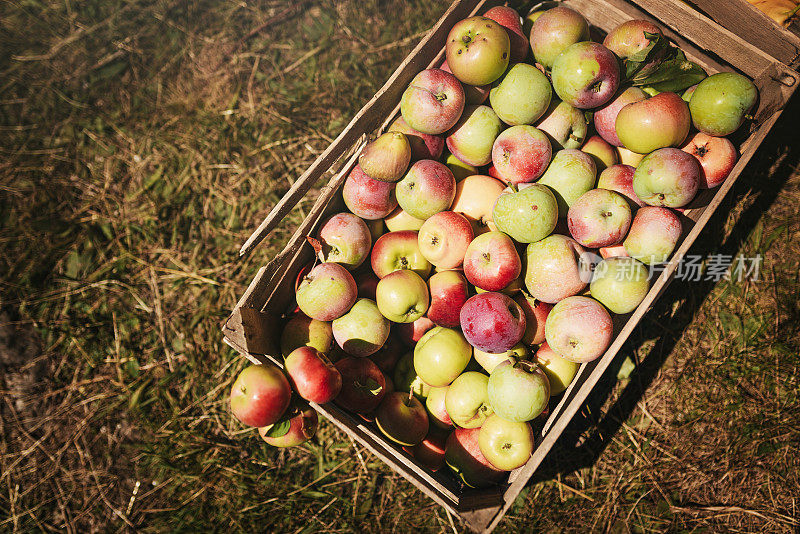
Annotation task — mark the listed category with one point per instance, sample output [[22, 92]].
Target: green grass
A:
[[141, 142]]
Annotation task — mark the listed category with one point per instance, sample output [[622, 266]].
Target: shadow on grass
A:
[[587, 435]]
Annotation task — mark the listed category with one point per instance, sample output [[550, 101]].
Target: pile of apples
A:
[[503, 259]]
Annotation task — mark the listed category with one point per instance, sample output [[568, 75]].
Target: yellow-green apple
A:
[[554, 31], [402, 418], [565, 124], [599, 218], [473, 94], [521, 154], [411, 333], [437, 410], [312, 375], [717, 157], [509, 19], [302, 330], [492, 322], [427, 188], [620, 284], [475, 198], [366, 281], [579, 329], [402, 297], [467, 402], [430, 451], [363, 330], [613, 252], [298, 425], [463, 455], [396, 251], [628, 157], [535, 315], [653, 235], [449, 291], [400, 220], [489, 360], [570, 175], [423, 146], [667, 177], [721, 103], [527, 215], [387, 356], [345, 239], [557, 267], [604, 154], [629, 38], [657, 122], [472, 137], [521, 95], [586, 75], [459, 169], [491, 261], [560, 372], [518, 390], [326, 292], [363, 385], [433, 102], [605, 118], [260, 395], [507, 445], [369, 199], [441, 355], [444, 238], [478, 50], [386, 158], [619, 178]]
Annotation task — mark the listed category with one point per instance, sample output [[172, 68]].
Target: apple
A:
[[406, 379], [396, 251], [387, 157], [571, 174], [298, 425], [518, 390], [599, 218], [363, 330], [423, 146], [616, 251], [430, 451], [437, 410], [717, 157], [619, 178], [473, 94], [387, 356], [620, 284], [411, 333], [345, 239], [260, 395], [626, 157], [527, 215], [554, 31], [579, 329], [444, 238], [363, 385], [507, 445], [459, 169], [463, 455], [427, 188], [369, 199], [509, 19], [629, 37], [489, 360], [521, 154], [326, 292], [449, 291], [491, 261], [433, 102], [400, 220], [302, 330], [478, 50], [721, 102], [472, 137], [441, 355], [658, 122], [475, 199], [604, 154], [557, 267], [667, 177], [312, 375], [467, 402], [565, 124], [653, 235], [536, 313], [605, 118], [560, 372], [492, 322], [402, 418], [586, 75], [687, 94], [521, 95], [402, 297]]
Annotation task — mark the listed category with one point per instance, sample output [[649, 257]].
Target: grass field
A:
[[140, 144]]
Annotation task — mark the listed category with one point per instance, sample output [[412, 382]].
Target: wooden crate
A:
[[253, 328]]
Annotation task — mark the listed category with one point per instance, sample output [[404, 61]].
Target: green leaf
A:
[[279, 429], [373, 386], [636, 62]]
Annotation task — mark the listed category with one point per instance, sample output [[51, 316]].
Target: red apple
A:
[[491, 261], [463, 455], [473, 94], [345, 239], [509, 19], [444, 238], [369, 199], [437, 412], [492, 322], [619, 178], [449, 291], [536, 313], [312, 375], [430, 452], [717, 157], [521, 154], [402, 418], [363, 385], [410, 333], [298, 425], [433, 102], [260, 395], [423, 146]]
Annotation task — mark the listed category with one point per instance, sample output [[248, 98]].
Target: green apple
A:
[[721, 103], [506, 444], [478, 50], [406, 379], [459, 169], [571, 174], [565, 124], [302, 331], [522, 95], [473, 136], [653, 235], [441, 355], [467, 400], [527, 215], [489, 360], [554, 31], [387, 157], [560, 372], [402, 296], [620, 283], [518, 390], [362, 330]]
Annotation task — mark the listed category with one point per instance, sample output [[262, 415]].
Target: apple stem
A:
[[513, 187], [410, 396]]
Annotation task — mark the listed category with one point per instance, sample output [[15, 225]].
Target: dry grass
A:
[[142, 141]]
